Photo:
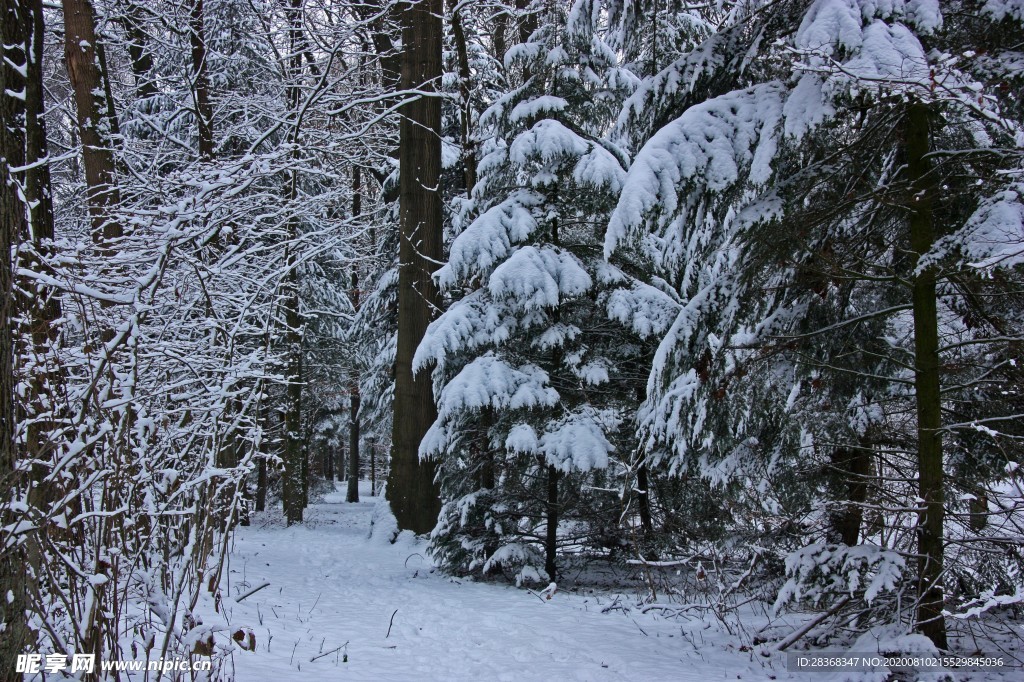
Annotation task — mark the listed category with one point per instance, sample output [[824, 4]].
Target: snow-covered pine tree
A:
[[529, 395], [796, 217]]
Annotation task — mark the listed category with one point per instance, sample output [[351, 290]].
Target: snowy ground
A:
[[335, 593], [331, 586]]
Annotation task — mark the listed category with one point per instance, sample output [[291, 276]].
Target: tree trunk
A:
[[372, 447], [465, 110], [551, 541], [498, 38], [261, 484], [201, 85], [40, 305], [294, 482], [342, 465], [292, 488], [644, 499], [93, 125], [412, 491], [15, 29], [353, 446], [926, 383], [353, 423], [852, 467], [139, 52]]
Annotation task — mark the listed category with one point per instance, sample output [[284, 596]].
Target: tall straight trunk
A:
[[353, 423], [353, 447], [93, 117], [15, 29], [293, 483], [261, 484], [926, 382], [40, 305], [372, 448], [201, 80], [551, 539], [465, 110], [412, 491], [305, 472], [352, 493], [342, 462]]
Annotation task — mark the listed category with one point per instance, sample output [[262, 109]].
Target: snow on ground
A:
[[331, 587], [341, 605]]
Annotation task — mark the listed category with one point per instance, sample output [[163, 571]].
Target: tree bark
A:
[[261, 484], [139, 52], [852, 467], [294, 482], [926, 382], [412, 491], [80, 52], [551, 541], [353, 424], [15, 29], [465, 110], [201, 80], [39, 305], [353, 447]]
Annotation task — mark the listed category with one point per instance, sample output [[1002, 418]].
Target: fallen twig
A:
[[328, 653], [390, 624], [251, 592]]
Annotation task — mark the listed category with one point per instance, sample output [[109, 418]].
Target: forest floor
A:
[[342, 605]]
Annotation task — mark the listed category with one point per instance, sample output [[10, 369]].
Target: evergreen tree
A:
[[527, 383]]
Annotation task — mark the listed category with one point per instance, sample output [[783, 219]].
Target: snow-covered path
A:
[[330, 585]]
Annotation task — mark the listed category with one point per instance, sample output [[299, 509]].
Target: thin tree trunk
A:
[[372, 447], [305, 471], [644, 499], [412, 491], [353, 447], [200, 75], [15, 29], [498, 38], [293, 455], [87, 82], [261, 484], [139, 52], [292, 488], [926, 383], [551, 541], [353, 424], [465, 110], [342, 461]]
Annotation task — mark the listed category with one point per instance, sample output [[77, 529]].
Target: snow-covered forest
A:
[[576, 339]]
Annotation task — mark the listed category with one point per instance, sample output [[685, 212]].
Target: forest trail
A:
[[330, 585]]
